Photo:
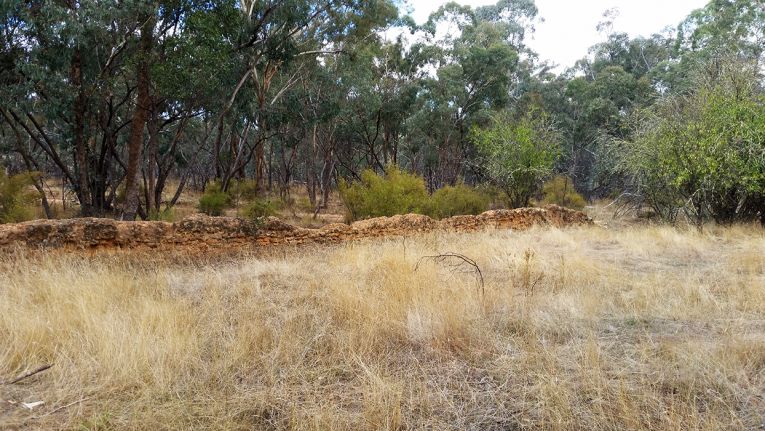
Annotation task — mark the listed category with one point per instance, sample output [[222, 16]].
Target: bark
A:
[[32, 166], [260, 165], [152, 197], [80, 146], [140, 116], [216, 148], [311, 171], [326, 178]]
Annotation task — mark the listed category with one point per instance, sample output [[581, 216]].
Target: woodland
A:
[[126, 104]]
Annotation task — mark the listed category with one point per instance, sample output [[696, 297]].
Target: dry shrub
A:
[[457, 200]]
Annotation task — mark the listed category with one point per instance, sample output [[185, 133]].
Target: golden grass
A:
[[644, 328]]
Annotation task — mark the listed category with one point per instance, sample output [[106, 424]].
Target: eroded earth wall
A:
[[204, 232]]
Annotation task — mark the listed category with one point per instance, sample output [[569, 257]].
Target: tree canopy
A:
[[121, 99]]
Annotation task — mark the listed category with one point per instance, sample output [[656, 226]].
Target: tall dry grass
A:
[[646, 328]]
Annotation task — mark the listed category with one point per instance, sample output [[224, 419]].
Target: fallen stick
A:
[[29, 374], [58, 409]]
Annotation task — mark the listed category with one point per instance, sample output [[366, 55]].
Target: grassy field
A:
[[635, 328]]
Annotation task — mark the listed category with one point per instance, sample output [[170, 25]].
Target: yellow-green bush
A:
[[214, 200], [16, 199], [304, 204], [560, 191], [261, 208], [396, 192], [243, 190], [167, 214], [456, 200], [399, 192]]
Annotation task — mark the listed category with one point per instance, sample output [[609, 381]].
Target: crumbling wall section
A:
[[227, 232]]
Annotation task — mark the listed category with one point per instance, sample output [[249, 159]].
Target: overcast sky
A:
[[569, 27]]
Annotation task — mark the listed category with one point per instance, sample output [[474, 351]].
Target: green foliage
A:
[[702, 154], [409, 100], [397, 192], [167, 215], [517, 155], [16, 199], [560, 191], [304, 204], [260, 209], [243, 190], [456, 200], [214, 200]]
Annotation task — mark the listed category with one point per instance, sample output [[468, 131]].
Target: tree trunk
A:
[[311, 168], [260, 167], [140, 116], [326, 178], [32, 166], [216, 148], [152, 197], [80, 146]]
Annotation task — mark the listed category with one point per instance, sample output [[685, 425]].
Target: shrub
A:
[[560, 191], [259, 209], [458, 200], [701, 153], [517, 155], [304, 204], [399, 192], [16, 200], [214, 200], [243, 190], [167, 214], [121, 194], [396, 192]]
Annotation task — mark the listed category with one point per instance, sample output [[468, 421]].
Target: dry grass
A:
[[646, 328]]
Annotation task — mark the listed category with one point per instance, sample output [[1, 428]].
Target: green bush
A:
[[16, 198], [259, 209], [214, 200], [399, 192], [457, 200], [304, 204], [517, 154], [560, 191], [167, 214], [700, 153], [396, 192], [243, 190]]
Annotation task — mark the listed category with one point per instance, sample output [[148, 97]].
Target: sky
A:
[[569, 26]]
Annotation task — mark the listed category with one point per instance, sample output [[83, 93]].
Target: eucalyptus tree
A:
[[724, 26], [53, 85], [282, 33], [91, 85], [476, 66], [90, 76]]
